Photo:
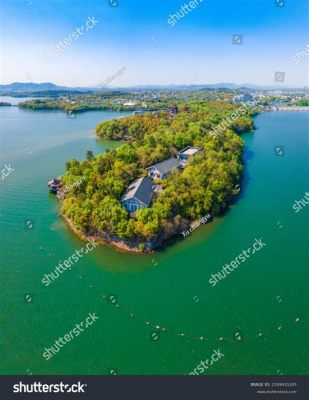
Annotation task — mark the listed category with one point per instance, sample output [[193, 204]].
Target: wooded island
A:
[[171, 171]]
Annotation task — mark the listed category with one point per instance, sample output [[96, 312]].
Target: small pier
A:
[[292, 108]]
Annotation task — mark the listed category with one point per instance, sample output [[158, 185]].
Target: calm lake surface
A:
[[169, 288]]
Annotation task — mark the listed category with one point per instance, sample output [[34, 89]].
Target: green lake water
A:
[[169, 288]]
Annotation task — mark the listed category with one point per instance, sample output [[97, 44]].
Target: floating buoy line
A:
[[237, 336]]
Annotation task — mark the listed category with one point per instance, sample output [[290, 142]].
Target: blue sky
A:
[[136, 35]]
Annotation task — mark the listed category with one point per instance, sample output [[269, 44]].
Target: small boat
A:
[[54, 189], [54, 181], [54, 185]]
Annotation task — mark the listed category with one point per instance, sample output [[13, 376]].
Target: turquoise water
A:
[[169, 288]]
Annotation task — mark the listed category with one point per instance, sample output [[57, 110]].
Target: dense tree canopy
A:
[[204, 186]]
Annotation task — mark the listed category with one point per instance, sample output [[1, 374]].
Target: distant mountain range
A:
[[19, 87], [30, 87], [223, 85]]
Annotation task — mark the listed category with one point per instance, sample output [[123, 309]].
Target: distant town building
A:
[[189, 151], [163, 168], [138, 195], [243, 98]]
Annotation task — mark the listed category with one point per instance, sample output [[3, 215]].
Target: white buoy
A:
[[279, 328], [297, 320]]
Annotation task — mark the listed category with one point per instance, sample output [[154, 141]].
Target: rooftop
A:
[[141, 189], [167, 165], [190, 151]]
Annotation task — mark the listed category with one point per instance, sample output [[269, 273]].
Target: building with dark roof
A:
[[138, 195], [163, 168]]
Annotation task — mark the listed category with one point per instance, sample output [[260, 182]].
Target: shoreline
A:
[[123, 247], [120, 246]]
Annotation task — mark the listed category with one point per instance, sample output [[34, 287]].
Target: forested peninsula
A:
[[199, 185]]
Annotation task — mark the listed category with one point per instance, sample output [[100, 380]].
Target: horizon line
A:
[[154, 85]]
